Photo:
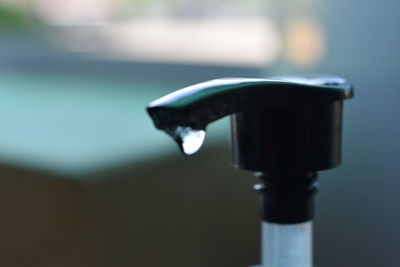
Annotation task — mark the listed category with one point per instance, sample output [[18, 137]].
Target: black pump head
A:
[[279, 123], [287, 127]]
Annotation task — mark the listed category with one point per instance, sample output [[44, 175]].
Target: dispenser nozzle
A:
[[284, 129], [266, 112]]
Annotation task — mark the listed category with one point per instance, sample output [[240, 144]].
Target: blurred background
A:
[[86, 180]]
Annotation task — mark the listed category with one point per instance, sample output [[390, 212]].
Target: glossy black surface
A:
[[284, 129], [198, 105], [288, 140], [287, 199]]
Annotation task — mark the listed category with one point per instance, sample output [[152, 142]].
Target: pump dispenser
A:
[[284, 129]]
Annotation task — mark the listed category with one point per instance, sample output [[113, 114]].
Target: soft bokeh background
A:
[[86, 180]]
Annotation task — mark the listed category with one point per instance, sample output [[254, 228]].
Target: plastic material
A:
[[293, 123], [198, 105], [285, 127], [287, 199], [293, 139], [286, 245]]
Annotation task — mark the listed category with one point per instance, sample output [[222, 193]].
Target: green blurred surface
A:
[[74, 124], [15, 18]]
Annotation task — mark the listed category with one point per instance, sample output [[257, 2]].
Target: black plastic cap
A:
[[296, 139]]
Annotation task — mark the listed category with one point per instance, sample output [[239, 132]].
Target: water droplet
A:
[[188, 139]]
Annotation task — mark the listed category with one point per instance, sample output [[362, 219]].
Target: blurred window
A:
[[186, 31], [222, 32]]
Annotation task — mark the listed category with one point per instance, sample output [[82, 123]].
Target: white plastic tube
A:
[[286, 245]]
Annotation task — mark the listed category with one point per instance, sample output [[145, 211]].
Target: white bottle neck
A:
[[286, 245]]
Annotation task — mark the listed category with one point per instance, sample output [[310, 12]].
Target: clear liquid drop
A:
[[189, 140]]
